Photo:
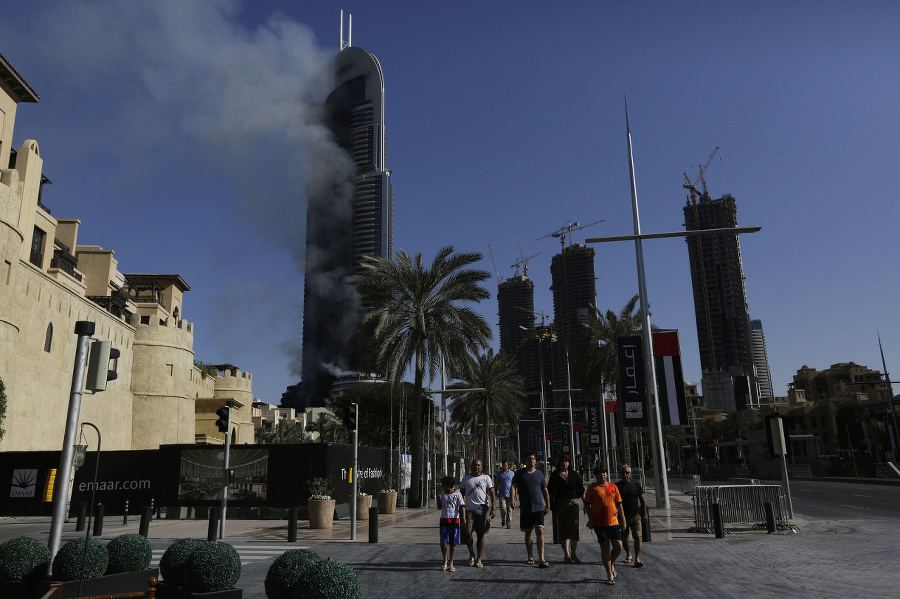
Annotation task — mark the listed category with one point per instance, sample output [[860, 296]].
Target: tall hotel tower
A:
[[720, 305], [349, 216]]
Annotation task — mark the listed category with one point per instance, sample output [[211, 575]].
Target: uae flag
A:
[[669, 378]]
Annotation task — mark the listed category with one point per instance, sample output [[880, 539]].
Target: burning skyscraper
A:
[[349, 216]]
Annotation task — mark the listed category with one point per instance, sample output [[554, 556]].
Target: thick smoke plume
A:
[[229, 110]]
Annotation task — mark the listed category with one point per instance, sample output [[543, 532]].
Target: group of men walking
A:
[[613, 511]]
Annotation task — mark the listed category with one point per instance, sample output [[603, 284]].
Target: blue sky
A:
[[175, 131]]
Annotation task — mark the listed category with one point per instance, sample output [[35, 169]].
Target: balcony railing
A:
[[65, 262]]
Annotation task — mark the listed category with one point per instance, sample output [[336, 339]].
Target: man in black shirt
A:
[[635, 511]]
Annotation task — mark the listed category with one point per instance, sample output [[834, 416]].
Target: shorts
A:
[[450, 534], [634, 526], [528, 521], [478, 520], [608, 533]]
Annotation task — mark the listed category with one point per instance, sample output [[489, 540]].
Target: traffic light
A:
[[224, 420], [99, 362], [350, 417]]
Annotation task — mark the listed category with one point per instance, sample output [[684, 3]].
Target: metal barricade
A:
[[740, 504]]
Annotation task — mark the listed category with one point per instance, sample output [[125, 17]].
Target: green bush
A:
[[23, 558], [286, 570], [212, 567], [171, 566], [67, 563], [327, 579], [128, 553]]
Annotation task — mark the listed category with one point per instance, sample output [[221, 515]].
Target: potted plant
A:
[[321, 505], [327, 578], [286, 570], [199, 569], [363, 503], [23, 563], [387, 496]]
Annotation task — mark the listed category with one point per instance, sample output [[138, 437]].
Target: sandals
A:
[[444, 567], [568, 560], [610, 582], [575, 559], [627, 560], [544, 565], [451, 569], [530, 561], [471, 561]]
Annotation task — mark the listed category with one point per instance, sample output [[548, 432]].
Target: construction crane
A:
[[692, 187], [496, 272], [566, 231], [523, 261]]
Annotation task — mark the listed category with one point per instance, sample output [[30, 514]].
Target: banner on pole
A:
[[670, 379], [632, 389]]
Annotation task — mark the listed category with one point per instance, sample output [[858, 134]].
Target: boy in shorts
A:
[[603, 504], [453, 511]]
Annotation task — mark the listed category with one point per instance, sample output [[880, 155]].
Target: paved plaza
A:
[[825, 558]]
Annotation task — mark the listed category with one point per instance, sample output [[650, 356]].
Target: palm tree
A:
[[417, 315], [737, 424], [502, 402]]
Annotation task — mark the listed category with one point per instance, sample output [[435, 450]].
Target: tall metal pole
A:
[[87, 533], [887, 378], [226, 473], [545, 447], [444, 414], [355, 475], [605, 432], [571, 418], [659, 459], [84, 329]]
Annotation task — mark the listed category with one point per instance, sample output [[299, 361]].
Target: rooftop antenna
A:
[[348, 43], [496, 272]]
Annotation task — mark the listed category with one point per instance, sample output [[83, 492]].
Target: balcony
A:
[[65, 262]]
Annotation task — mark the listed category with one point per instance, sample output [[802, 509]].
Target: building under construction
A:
[[720, 304]]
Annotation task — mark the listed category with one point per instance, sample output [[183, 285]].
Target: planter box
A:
[[387, 503], [113, 584], [23, 589], [363, 503], [321, 513], [170, 591]]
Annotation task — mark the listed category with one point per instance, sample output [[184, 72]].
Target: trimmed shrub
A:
[[171, 566], [327, 579], [67, 563], [128, 553], [286, 570], [212, 567], [23, 558]]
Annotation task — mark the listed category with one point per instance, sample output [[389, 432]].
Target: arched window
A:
[[48, 338]]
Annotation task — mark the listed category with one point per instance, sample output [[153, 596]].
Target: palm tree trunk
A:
[[415, 440]]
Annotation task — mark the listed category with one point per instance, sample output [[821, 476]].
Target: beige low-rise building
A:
[[48, 283]]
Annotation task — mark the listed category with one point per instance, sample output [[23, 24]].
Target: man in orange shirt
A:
[[603, 504]]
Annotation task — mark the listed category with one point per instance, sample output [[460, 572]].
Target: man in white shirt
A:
[[478, 489]]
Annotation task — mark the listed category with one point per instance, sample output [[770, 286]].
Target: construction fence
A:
[[739, 504]]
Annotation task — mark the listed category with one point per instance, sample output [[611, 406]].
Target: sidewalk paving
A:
[[816, 562]]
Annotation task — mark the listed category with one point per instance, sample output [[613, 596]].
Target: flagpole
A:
[[659, 458]]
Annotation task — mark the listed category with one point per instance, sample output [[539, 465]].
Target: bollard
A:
[[125, 517], [146, 516], [770, 516], [213, 530], [645, 529], [373, 524], [292, 524], [717, 521], [98, 520], [82, 516]]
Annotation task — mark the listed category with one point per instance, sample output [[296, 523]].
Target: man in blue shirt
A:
[[505, 493], [531, 486]]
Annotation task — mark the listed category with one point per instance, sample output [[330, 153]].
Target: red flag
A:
[[612, 406]]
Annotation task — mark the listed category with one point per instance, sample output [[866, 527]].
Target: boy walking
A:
[[453, 511]]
